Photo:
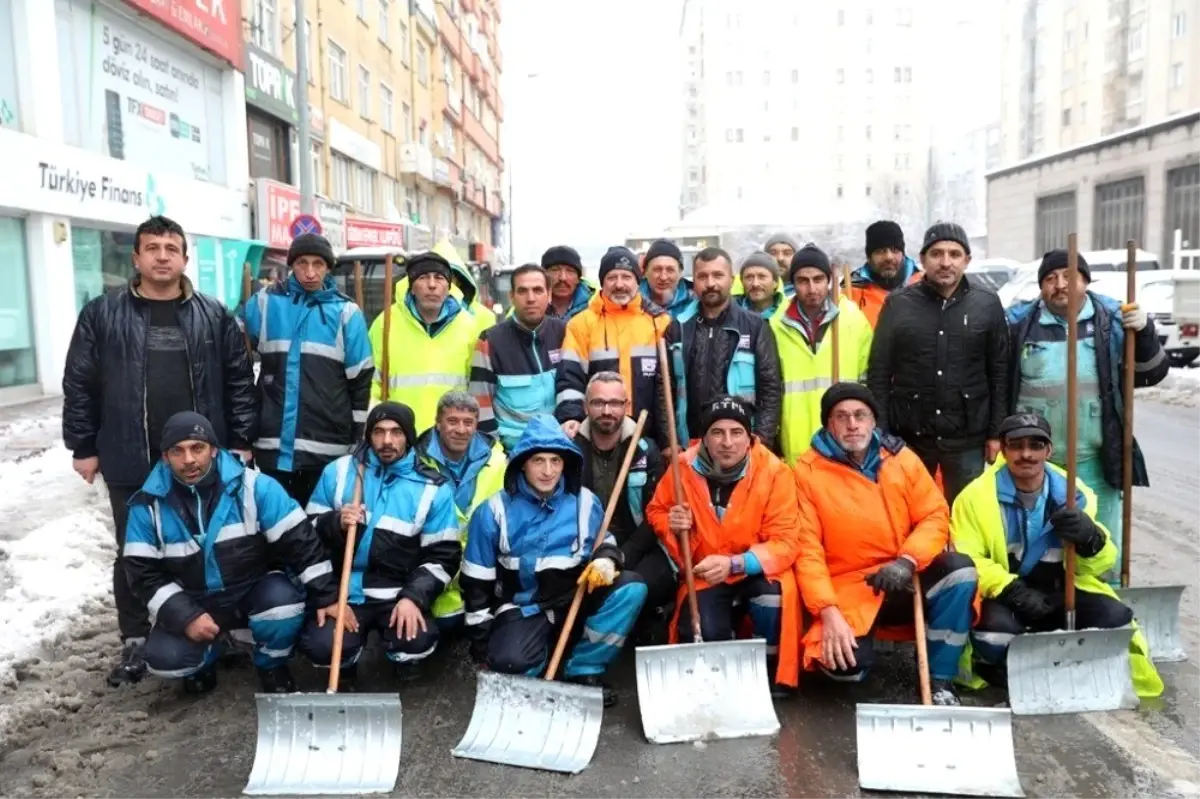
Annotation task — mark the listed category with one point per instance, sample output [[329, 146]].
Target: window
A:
[[364, 92], [897, 75], [361, 6], [868, 162], [839, 191], [406, 121], [1068, 78], [870, 75], [1179, 25], [1119, 214], [729, 78], [897, 131], [740, 136], [404, 43], [737, 78], [1068, 40], [766, 79], [1176, 75], [795, 134], [841, 75], [795, 76], [315, 155], [1135, 44], [841, 133], [422, 64], [896, 187], [896, 162], [340, 167], [1082, 113], [729, 135], [447, 137], [264, 25], [841, 20], [870, 17], [908, 74], [904, 17], [338, 89], [383, 21], [868, 190], [386, 110], [868, 132], [447, 68], [364, 188], [1066, 117]]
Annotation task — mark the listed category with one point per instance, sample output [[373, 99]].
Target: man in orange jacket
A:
[[739, 502], [870, 517], [887, 268]]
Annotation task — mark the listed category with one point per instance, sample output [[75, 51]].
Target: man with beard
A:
[[887, 269], [723, 350], [569, 292], [664, 283], [939, 363], [1038, 379], [515, 362], [781, 247], [806, 349], [618, 333], [762, 290]]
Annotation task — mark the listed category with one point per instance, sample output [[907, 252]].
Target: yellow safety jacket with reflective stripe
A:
[[977, 530], [422, 367], [806, 375]]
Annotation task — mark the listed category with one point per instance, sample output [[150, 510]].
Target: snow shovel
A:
[[1070, 671], [966, 751], [540, 723], [701, 691], [328, 743], [1155, 607]]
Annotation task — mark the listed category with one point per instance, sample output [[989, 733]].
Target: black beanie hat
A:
[[840, 392], [809, 255], [187, 426], [884, 234], [425, 263], [726, 407], [311, 244], [562, 255], [1057, 259], [762, 261], [946, 231], [619, 258], [396, 412], [664, 247]]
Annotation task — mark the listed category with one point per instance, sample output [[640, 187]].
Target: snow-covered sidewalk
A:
[[1181, 387]]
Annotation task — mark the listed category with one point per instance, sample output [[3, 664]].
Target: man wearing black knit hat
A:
[[664, 283], [569, 293], [1038, 380], [886, 270], [939, 363]]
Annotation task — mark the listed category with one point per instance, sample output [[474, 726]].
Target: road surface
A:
[[67, 734]]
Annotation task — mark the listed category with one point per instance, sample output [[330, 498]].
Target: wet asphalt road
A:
[[205, 747]]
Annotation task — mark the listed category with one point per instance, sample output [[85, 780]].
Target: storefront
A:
[[276, 205], [271, 113]]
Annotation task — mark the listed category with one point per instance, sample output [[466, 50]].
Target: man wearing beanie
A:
[[858, 556], [805, 342], [1038, 379], [664, 283], [205, 534], [315, 377], [887, 269], [618, 333], [762, 290], [739, 502], [781, 247], [431, 340], [939, 363], [408, 546], [569, 292]]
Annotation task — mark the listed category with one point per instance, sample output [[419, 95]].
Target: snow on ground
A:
[[1181, 387]]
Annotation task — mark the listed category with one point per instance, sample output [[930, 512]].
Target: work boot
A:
[[944, 694], [781, 691], [277, 680], [409, 670], [348, 679], [593, 681], [201, 682], [993, 675], [131, 668]]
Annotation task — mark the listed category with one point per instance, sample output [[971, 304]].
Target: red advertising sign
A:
[[278, 205], [215, 25], [373, 233]]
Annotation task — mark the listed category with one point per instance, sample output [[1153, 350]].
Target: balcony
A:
[[441, 172], [449, 32], [453, 107], [479, 135], [416, 159]]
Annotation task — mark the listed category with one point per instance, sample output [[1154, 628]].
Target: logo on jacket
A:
[[744, 342], [555, 356], [649, 367]]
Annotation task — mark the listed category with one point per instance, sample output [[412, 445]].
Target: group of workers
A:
[[476, 470]]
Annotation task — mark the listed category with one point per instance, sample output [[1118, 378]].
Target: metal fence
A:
[[1055, 220], [1120, 213]]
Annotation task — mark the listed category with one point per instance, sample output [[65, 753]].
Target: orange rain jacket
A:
[[761, 517], [850, 526]]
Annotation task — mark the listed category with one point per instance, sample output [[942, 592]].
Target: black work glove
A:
[[1075, 526], [892, 577], [1030, 604]]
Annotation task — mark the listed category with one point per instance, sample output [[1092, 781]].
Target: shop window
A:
[[103, 261], [10, 109], [18, 364]]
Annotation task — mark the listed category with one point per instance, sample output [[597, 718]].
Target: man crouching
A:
[[203, 531], [528, 547]]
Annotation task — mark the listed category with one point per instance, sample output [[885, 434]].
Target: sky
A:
[[592, 139]]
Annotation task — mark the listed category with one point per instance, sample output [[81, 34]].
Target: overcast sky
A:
[[593, 140]]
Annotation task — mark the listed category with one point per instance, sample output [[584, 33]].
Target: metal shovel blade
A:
[[692, 692], [1156, 609], [966, 751], [1070, 672], [533, 723], [326, 744]]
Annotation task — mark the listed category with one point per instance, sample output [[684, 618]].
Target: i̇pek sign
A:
[[278, 204]]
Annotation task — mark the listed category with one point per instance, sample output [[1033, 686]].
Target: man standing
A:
[[723, 350], [137, 357], [204, 534], [664, 283], [432, 339], [515, 362], [939, 363], [407, 549], [569, 293], [617, 333], [762, 290], [1038, 379], [781, 247], [886, 270], [315, 376], [802, 333]]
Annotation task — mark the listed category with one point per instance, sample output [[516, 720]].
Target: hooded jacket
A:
[[464, 281], [579, 301], [870, 296]]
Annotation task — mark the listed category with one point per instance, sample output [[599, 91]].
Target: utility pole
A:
[[304, 131]]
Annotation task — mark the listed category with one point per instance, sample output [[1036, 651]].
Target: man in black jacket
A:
[[939, 363], [137, 357], [724, 349]]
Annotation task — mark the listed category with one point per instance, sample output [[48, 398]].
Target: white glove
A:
[[606, 568], [1133, 317]]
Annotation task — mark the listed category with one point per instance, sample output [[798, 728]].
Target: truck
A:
[[1185, 310]]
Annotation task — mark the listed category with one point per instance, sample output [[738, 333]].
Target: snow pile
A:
[[1181, 387]]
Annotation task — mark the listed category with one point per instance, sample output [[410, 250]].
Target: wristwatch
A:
[[737, 565]]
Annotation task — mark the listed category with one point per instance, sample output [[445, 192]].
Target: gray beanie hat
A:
[[781, 238], [762, 260]]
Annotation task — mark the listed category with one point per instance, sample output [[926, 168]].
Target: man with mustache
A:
[[664, 283], [569, 292], [781, 247], [1013, 522], [1038, 378], [763, 292], [723, 350], [886, 270]]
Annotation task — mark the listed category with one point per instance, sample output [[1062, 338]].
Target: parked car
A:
[[1156, 293], [994, 272], [1023, 287]]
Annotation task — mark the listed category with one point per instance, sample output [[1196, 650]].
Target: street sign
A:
[[305, 223]]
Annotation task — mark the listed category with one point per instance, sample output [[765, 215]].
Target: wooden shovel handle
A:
[[1127, 434], [387, 329], [835, 344], [339, 628], [1073, 303], [247, 284], [685, 542], [358, 287], [922, 645]]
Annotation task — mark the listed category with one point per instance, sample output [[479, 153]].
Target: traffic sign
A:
[[305, 223]]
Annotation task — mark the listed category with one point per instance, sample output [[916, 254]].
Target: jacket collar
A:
[[185, 285]]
